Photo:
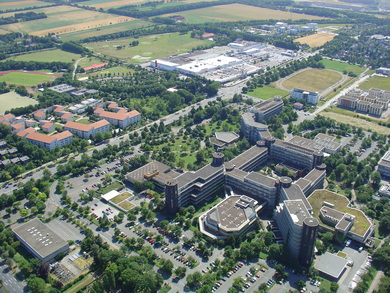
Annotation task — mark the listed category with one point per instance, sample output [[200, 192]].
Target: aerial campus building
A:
[[39, 240], [384, 165]]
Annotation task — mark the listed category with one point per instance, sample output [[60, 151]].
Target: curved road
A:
[[75, 67]]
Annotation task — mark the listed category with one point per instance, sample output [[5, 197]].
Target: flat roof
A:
[[39, 237], [233, 212], [110, 195], [297, 210], [151, 169], [247, 156], [331, 265], [226, 136]]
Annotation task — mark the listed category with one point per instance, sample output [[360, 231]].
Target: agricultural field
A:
[[13, 100], [109, 29], [237, 12], [316, 40], [341, 66], [150, 47], [267, 92], [47, 56], [315, 80], [355, 121], [378, 82], [26, 78], [118, 70], [10, 5], [106, 4], [64, 19]]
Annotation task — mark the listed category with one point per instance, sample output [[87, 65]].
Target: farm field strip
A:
[[316, 40], [109, 29], [237, 12], [65, 19], [109, 4], [21, 4], [83, 26]]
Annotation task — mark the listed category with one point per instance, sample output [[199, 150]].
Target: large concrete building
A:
[[39, 240], [264, 110], [234, 216], [310, 97], [384, 165]]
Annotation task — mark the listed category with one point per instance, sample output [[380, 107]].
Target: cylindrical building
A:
[[309, 234]]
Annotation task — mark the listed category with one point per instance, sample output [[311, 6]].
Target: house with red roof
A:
[[48, 127], [66, 117], [87, 130], [50, 141], [120, 120], [39, 115]]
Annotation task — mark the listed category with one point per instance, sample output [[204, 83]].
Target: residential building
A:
[[50, 142], [48, 127], [87, 130], [383, 71], [39, 115], [120, 120]]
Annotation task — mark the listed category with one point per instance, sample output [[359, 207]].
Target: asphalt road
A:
[[10, 282]]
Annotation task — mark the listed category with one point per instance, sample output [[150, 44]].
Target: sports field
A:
[[8, 5], [26, 78], [267, 92], [65, 19], [312, 80], [355, 121], [341, 66], [109, 29], [238, 12], [316, 40], [378, 82], [47, 56], [13, 100], [150, 47]]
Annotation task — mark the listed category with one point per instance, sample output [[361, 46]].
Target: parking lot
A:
[[100, 209]]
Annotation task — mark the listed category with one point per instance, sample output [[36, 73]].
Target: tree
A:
[[166, 265], [193, 280], [37, 285], [334, 287], [300, 284], [180, 272]]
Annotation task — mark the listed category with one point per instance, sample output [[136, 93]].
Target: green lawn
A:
[[149, 48], [341, 66], [267, 92], [84, 121], [13, 100], [25, 78], [379, 82], [113, 186], [47, 56]]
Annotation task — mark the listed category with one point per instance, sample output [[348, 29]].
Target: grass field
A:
[[375, 81], [312, 80], [121, 197], [10, 5], [25, 78], [150, 47], [341, 66], [126, 205], [341, 204], [64, 19], [355, 121], [109, 29], [80, 285], [47, 56], [316, 40], [237, 12], [13, 100], [267, 92]]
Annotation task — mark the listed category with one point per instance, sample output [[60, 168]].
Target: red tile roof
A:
[[41, 137], [25, 132], [48, 125], [78, 126], [63, 135]]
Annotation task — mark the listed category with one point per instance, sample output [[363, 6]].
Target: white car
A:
[[348, 243]]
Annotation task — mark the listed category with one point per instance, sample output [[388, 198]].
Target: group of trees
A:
[[22, 16], [14, 42]]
